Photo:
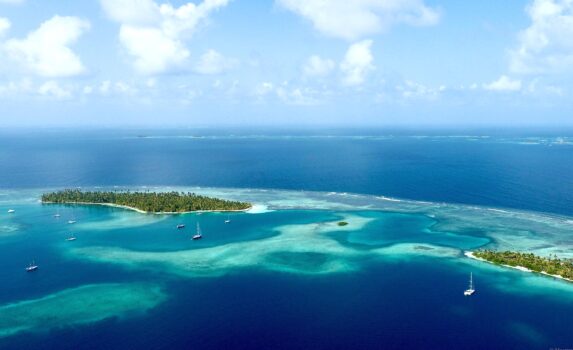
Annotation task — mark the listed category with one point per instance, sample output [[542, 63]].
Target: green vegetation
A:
[[146, 201], [551, 265], [342, 223]]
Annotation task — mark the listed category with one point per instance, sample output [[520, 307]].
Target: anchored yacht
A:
[[198, 235], [32, 267], [471, 290]]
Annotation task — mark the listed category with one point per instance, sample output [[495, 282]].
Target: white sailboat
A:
[[198, 235], [71, 238], [10, 211], [228, 219], [73, 219], [471, 290], [32, 267]]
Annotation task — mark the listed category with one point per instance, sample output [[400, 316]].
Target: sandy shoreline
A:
[[150, 212], [520, 268]]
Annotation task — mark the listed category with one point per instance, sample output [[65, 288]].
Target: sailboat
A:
[[73, 220], [10, 211], [198, 235], [71, 238], [471, 290], [180, 226], [57, 214], [32, 267], [228, 219]]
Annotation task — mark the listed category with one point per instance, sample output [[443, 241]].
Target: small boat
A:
[[228, 219], [32, 267], [180, 226], [10, 211], [71, 238], [57, 215], [471, 290], [71, 221], [198, 235]]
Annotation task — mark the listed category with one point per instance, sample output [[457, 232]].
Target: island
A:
[[551, 266], [342, 223], [146, 202]]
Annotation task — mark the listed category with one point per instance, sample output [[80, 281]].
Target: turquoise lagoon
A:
[[283, 275]]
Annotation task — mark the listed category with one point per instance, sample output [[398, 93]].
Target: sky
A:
[[355, 63]]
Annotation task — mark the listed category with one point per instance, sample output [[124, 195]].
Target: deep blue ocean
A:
[[524, 170], [379, 303]]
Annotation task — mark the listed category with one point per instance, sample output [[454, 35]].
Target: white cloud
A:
[[504, 83], [46, 51], [357, 63], [353, 19], [108, 87], [411, 89], [87, 90], [4, 26], [153, 52], [537, 87], [297, 96], [11, 88], [264, 89], [316, 66], [154, 35], [292, 95], [547, 44], [132, 11], [53, 89], [212, 62]]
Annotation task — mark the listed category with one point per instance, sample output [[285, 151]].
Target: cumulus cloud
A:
[[547, 44], [504, 83], [153, 52], [46, 51], [353, 19], [297, 96], [357, 63], [289, 95], [264, 89], [53, 89], [4, 26], [132, 11], [154, 35], [412, 89], [316, 66], [21, 87], [212, 62], [108, 87]]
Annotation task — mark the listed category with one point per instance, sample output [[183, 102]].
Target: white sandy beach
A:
[[159, 213], [471, 255]]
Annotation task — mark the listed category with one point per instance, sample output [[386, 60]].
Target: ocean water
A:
[[285, 275]]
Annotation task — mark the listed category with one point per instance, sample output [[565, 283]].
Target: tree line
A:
[[146, 201], [551, 265]]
